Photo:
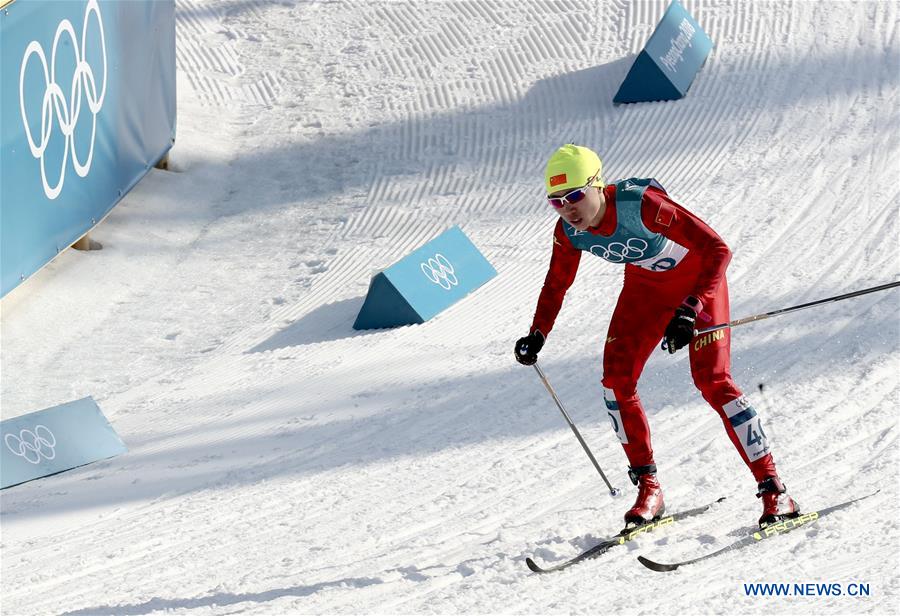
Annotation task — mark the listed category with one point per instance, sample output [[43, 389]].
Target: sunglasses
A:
[[574, 196]]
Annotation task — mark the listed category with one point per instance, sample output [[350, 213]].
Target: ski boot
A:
[[649, 505], [777, 505]]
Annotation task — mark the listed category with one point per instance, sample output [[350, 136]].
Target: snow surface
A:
[[281, 462]]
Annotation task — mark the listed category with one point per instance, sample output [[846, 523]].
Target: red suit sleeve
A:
[[563, 267], [662, 215]]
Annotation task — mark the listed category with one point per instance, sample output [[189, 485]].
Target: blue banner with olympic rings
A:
[[423, 283], [55, 440], [87, 107]]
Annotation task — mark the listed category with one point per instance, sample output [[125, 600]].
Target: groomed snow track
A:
[[282, 463]]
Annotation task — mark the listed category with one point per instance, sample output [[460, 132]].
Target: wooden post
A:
[[86, 243]]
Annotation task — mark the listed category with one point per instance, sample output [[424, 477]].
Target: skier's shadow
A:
[[222, 599]]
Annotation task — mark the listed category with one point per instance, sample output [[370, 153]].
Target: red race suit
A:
[[645, 306]]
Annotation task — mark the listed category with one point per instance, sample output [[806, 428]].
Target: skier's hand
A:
[[680, 330], [528, 347]]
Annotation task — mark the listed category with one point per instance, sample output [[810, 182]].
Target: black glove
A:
[[680, 330], [528, 347]]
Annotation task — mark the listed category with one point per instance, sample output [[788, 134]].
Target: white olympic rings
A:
[[33, 445], [67, 113], [617, 252], [439, 271]]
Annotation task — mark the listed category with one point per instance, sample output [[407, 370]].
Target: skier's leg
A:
[[635, 329], [711, 369]]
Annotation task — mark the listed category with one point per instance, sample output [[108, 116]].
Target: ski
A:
[[772, 530], [622, 537]]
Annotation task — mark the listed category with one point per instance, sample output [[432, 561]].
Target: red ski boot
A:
[[649, 505], [777, 505]]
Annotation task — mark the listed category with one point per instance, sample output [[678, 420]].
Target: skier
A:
[[674, 274]]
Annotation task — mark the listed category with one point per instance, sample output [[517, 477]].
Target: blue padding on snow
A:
[[54, 440], [425, 282], [673, 56], [88, 102]]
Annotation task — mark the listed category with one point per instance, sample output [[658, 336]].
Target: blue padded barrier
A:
[[673, 56], [77, 133], [425, 282], [55, 440]]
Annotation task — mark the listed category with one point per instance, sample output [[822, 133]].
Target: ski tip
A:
[[533, 565], [655, 566]]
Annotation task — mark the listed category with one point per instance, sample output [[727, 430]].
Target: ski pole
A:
[[775, 313], [612, 491]]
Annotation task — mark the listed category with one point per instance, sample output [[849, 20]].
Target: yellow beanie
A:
[[570, 167]]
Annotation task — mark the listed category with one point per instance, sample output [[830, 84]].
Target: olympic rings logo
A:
[[54, 101], [617, 252], [33, 445], [439, 271]]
